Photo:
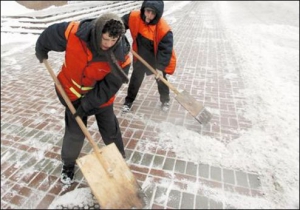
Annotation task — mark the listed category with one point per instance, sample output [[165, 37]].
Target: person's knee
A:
[[76, 137]]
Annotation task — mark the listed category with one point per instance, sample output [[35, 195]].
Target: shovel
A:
[[105, 170], [195, 108]]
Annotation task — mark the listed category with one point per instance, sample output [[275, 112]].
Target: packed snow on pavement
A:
[[268, 43]]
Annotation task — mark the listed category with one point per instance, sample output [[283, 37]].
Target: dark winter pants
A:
[[74, 138], [135, 83]]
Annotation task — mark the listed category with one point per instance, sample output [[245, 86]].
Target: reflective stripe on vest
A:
[[78, 86], [75, 92], [82, 88]]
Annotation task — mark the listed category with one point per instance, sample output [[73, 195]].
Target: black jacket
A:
[[53, 39]]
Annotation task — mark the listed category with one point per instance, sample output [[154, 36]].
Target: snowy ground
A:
[[266, 36]]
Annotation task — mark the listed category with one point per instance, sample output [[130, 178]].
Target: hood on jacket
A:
[[90, 31], [157, 6]]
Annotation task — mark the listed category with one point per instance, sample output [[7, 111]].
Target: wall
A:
[[38, 5]]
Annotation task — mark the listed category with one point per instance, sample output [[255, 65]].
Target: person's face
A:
[[149, 15], [107, 41]]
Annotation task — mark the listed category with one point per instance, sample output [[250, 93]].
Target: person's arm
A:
[[125, 19], [101, 93], [164, 52], [51, 39]]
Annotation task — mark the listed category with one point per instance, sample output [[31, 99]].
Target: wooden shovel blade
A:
[[119, 191], [195, 108]]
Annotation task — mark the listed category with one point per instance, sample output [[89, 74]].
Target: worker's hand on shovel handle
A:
[[80, 112], [41, 56], [158, 75]]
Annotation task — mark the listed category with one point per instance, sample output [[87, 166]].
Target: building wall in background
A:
[[37, 5]]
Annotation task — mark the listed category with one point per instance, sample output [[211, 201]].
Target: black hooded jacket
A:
[[146, 46], [53, 39]]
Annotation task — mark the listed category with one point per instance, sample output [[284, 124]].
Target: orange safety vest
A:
[[78, 75], [159, 31]]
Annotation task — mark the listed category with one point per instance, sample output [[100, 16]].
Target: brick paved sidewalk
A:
[[30, 147]]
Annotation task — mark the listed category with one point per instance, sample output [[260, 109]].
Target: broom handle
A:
[[155, 72], [77, 118]]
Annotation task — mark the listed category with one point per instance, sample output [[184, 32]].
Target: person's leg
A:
[[109, 128], [135, 83], [163, 90], [72, 143], [73, 139], [71, 146]]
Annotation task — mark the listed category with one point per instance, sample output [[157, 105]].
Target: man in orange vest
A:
[[153, 40], [96, 51]]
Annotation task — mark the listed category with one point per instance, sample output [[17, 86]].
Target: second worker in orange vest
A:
[[153, 40]]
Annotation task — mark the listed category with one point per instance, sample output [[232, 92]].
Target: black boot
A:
[[67, 175]]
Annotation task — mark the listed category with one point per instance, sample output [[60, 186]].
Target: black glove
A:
[[80, 112], [41, 55]]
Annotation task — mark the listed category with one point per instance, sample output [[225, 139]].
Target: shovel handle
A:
[[155, 72], [77, 118]]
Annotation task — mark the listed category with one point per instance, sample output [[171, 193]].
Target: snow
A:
[[13, 8], [80, 197], [269, 48]]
